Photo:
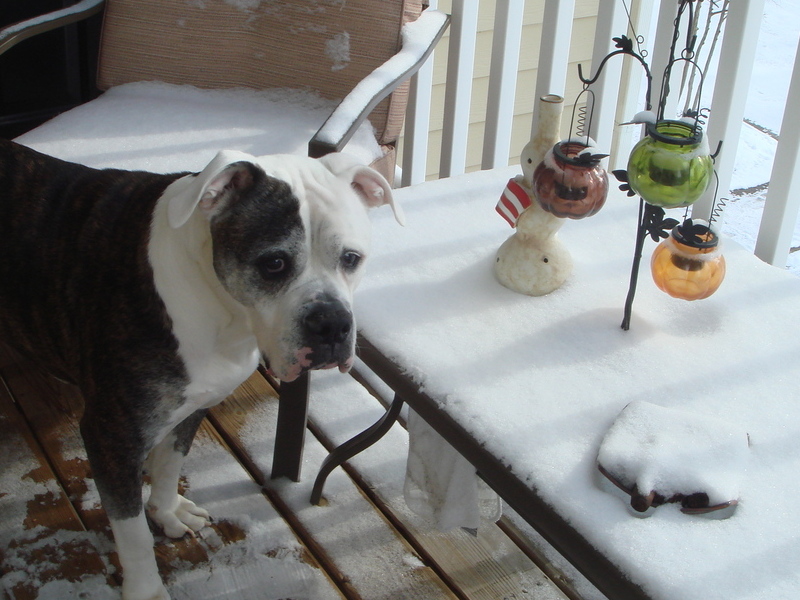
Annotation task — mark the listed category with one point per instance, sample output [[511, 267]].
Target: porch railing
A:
[[616, 96]]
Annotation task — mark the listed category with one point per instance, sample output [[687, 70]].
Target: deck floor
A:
[[266, 540]]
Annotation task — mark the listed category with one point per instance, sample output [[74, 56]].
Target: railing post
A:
[[631, 99], [610, 23], [460, 64], [736, 59], [551, 72], [783, 198], [417, 124], [667, 13], [502, 83]]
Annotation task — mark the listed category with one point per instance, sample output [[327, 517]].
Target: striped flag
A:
[[513, 202]]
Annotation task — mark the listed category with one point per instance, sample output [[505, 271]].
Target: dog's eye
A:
[[350, 260], [272, 266]]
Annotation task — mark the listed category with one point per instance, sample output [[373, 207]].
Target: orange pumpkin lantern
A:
[[688, 264]]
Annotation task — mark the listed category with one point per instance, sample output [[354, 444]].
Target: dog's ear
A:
[[370, 185], [230, 171]]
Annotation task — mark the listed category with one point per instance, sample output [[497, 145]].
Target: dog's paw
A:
[[138, 590], [185, 517]]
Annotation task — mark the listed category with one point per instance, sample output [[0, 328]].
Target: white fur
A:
[[214, 331], [135, 549], [219, 339], [175, 514]]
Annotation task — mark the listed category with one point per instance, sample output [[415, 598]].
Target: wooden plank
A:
[[246, 530], [356, 541], [42, 540], [485, 567], [253, 553], [52, 409]]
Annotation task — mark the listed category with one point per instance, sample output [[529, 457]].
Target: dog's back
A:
[[66, 229]]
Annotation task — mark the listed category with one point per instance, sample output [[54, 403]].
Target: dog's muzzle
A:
[[324, 338], [327, 328]]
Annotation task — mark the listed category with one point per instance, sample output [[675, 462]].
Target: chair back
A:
[[321, 45]]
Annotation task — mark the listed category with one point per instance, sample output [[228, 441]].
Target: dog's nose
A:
[[328, 322]]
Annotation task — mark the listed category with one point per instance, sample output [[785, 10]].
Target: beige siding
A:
[[580, 51]]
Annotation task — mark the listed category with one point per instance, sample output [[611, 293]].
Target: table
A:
[[525, 388]]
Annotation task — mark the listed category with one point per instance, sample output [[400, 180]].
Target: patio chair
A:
[[354, 53], [184, 79]]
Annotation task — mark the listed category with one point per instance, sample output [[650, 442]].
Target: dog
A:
[[157, 295]]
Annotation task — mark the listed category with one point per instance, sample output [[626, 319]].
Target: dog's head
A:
[[290, 236]]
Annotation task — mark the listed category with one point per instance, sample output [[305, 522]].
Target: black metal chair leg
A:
[[287, 457], [353, 446]]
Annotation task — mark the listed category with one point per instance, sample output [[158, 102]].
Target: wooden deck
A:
[[360, 544]]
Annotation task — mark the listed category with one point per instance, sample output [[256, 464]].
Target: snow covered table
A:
[[526, 388]]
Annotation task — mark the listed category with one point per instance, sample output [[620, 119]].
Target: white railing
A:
[[616, 93]]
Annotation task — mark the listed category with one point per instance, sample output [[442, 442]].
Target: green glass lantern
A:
[[671, 166]]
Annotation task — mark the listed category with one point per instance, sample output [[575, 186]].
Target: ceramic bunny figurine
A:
[[533, 260]]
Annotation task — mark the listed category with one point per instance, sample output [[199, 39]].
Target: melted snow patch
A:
[[244, 5], [338, 50], [262, 578]]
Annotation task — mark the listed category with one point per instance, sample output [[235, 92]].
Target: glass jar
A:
[[688, 264], [671, 166], [570, 182]]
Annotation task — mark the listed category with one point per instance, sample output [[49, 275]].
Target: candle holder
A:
[[670, 167], [560, 180], [570, 182], [533, 260], [688, 264]]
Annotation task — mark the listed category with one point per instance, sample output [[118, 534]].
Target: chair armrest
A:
[[419, 39], [13, 34]]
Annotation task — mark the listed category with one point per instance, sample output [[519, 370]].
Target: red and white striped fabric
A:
[[513, 202]]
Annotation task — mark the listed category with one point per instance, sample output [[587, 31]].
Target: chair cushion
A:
[[324, 45], [165, 128]]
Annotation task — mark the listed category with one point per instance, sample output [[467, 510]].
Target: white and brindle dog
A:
[[159, 294]]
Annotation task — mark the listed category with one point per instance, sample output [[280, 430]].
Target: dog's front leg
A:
[[116, 460], [175, 514], [141, 580]]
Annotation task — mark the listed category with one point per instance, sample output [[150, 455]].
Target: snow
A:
[[541, 380], [342, 408], [675, 452], [777, 44], [270, 552], [338, 50], [244, 5], [269, 564], [169, 128], [417, 38], [79, 7]]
